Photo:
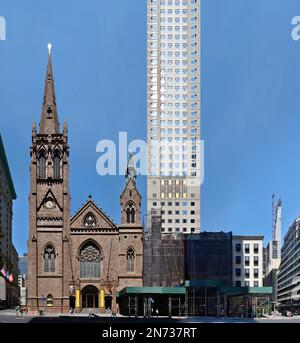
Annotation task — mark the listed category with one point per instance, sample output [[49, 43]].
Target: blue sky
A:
[[250, 101]]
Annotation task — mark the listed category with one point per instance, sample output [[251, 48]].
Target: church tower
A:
[[49, 262], [131, 232]]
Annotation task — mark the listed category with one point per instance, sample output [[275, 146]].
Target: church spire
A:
[[130, 171], [49, 119]]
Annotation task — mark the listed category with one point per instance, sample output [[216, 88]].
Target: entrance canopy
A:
[[229, 290], [152, 290], [255, 291]]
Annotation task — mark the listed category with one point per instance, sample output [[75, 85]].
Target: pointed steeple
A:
[[49, 119], [130, 171]]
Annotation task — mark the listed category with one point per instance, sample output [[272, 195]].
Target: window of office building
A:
[[247, 273], [238, 247], [247, 260], [238, 272]]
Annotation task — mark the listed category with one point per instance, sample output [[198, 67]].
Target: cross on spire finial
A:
[[49, 47]]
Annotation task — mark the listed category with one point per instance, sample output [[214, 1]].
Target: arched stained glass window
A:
[[130, 214], [90, 261], [49, 259], [42, 166], [130, 256], [56, 166]]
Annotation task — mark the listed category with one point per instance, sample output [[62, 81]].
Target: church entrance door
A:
[[108, 302], [90, 298]]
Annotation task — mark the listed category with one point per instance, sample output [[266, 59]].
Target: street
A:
[[9, 316]]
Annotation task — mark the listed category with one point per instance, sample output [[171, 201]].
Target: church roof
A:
[[90, 203], [130, 175], [126, 186]]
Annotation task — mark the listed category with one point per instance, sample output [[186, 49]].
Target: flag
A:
[[7, 275], [11, 278], [3, 272]]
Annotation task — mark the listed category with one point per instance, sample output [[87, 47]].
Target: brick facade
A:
[[79, 261]]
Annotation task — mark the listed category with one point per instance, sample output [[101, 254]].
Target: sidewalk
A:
[[12, 312], [279, 317], [9, 312]]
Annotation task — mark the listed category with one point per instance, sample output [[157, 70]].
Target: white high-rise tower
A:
[[173, 113], [274, 246]]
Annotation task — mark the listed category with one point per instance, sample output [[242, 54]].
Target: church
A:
[[82, 261]]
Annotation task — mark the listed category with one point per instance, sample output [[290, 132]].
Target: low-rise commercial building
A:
[[247, 261], [209, 288]]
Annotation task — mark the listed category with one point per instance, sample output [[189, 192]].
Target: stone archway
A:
[[89, 298]]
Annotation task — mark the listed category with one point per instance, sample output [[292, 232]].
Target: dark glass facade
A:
[[208, 256]]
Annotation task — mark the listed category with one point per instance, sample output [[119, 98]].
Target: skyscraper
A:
[[173, 113], [274, 246], [273, 251]]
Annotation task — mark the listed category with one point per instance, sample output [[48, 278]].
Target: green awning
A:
[[152, 290], [203, 283], [228, 290], [246, 290]]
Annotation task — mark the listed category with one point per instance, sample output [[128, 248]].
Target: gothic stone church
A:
[[82, 261]]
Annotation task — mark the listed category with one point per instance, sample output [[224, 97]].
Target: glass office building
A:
[[208, 256], [289, 272]]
